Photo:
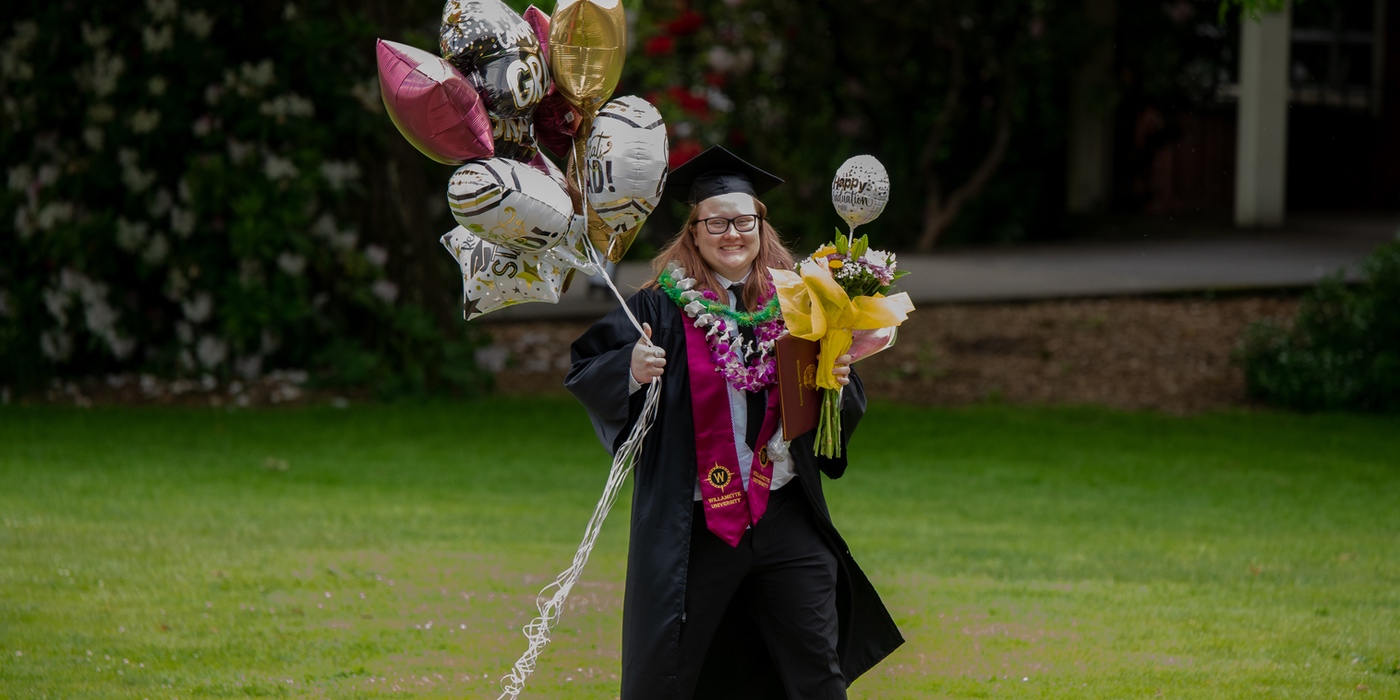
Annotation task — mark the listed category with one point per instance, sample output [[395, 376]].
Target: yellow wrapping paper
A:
[[815, 307]]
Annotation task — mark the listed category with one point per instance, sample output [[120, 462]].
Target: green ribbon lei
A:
[[745, 319]]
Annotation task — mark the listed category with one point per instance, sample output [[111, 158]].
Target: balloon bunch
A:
[[505, 84]]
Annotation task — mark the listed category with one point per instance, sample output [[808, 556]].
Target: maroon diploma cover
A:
[[797, 385]]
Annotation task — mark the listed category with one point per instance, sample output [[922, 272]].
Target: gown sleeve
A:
[[601, 361]]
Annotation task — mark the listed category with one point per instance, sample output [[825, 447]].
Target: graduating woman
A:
[[738, 585]]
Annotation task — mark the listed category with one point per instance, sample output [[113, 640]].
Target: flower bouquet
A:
[[842, 293]]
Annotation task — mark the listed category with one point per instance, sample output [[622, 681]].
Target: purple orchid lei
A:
[[747, 366]]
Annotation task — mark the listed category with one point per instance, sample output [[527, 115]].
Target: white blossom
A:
[[135, 179], [238, 151], [121, 346], [249, 367], [288, 105], [157, 39], [184, 331], [213, 93], [156, 86], [199, 309], [289, 12], [156, 250], [56, 301], [19, 177], [182, 222], [176, 284], [211, 351], [145, 121], [100, 317], [203, 125], [160, 204], [385, 290], [48, 174], [291, 263], [367, 93], [258, 75], [102, 77], [24, 222], [162, 9], [55, 345], [199, 23], [722, 59], [325, 227], [53, 214], [92, 136], [25, 34], [15, 68], [376, 255], [95, 37], [340, 172], [276, 167], [130, 234]]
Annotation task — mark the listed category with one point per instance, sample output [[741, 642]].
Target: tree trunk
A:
[[940, 213]]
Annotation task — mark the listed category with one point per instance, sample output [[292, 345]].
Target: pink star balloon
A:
[[433, 105]]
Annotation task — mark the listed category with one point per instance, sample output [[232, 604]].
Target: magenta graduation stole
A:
[[728, 511]]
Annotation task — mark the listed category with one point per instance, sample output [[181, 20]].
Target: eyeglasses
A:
[[718, 225]]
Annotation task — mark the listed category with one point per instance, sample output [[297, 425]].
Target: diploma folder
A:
[[800, 399]]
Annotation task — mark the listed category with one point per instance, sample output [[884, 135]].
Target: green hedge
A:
[[1342, 350], [188, 184]]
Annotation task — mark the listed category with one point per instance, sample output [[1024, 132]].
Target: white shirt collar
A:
[[727, 283]]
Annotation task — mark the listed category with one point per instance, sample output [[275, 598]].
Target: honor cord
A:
[[550, 600]]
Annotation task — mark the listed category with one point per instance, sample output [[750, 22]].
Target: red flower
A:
[[687, 22], [690, 101], [660, 45], [683, 151], [716, 78]]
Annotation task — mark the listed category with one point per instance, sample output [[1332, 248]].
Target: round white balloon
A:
[[509, 203], [625, 163], [860, 190]]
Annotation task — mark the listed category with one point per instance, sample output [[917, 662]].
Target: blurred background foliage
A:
[[212, 189], [209, 189]]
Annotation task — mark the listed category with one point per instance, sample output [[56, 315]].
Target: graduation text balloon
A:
[[860, 190], [432, 104], [624, 172], [501, 54], [495, 277]]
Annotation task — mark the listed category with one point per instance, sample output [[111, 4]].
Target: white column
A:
[[1091, 121], [1261, 155]]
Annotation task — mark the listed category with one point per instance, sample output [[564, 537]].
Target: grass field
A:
[[395, 551]]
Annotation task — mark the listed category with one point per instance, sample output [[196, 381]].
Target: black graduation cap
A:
[[716, 172]]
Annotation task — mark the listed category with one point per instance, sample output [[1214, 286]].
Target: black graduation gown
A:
[[662, 506]]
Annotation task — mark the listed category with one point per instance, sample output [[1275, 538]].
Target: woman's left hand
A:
[[842, 370]]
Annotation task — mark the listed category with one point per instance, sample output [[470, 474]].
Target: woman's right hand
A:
[[648, 361]]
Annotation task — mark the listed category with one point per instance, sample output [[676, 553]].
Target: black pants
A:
[[787, 573]]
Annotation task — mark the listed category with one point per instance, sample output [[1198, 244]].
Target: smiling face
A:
[[731, 253]]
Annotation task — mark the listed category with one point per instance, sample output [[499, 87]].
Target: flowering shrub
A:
[[185, 182]]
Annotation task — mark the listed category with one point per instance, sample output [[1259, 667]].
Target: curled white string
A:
[[550, 600]]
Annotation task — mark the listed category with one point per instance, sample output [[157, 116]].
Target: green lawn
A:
[[396, 550]]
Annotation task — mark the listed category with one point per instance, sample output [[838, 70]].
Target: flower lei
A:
[[747, 366]]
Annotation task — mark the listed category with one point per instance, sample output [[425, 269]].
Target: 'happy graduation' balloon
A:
[[860, 190]]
